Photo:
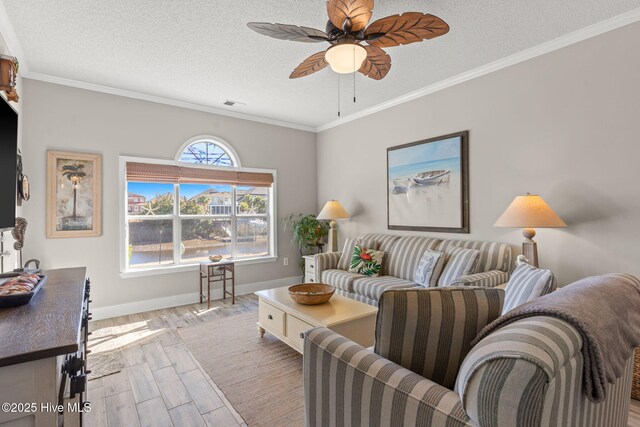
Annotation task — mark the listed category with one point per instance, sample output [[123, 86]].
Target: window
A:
[[177, 214], [208, 152]]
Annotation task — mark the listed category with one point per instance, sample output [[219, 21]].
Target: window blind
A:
[[149, 172]]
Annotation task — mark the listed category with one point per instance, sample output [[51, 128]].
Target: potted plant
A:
[[307, 232]]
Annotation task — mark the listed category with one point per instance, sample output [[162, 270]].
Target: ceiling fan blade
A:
[[312, 64], [377, 64], [289, 32], [359, 11], [410, 27]]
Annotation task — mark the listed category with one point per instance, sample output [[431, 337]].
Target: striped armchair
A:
[[528, 373], [408, 379]]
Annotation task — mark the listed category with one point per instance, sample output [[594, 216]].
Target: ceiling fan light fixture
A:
[[345, 58]]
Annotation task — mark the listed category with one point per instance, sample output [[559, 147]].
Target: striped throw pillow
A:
[[458, 262], [347, 251], [527, 283], [429, 268]]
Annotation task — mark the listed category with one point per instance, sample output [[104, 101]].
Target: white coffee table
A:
[[287, 320]]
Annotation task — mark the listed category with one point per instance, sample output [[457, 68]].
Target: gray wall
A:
[[563, 125], [62, 118]]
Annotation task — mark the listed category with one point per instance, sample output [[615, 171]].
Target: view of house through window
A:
[[174, 223]]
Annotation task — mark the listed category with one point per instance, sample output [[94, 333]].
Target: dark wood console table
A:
[[215, 272], [43, 352]]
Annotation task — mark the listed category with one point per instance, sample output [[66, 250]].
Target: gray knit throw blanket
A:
[[606, 312]]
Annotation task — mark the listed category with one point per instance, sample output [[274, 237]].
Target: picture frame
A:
[[428, 185], [74, 194]]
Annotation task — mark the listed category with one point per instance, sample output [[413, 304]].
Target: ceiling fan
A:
[[346, 31]]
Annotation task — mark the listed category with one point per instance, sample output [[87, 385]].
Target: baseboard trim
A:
[[100, 313]]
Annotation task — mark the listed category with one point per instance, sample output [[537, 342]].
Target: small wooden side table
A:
[[215, 272]]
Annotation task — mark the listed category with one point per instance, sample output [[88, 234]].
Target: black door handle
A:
[[301, 335]]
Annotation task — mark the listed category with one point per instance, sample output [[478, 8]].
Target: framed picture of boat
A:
[[428, 185]]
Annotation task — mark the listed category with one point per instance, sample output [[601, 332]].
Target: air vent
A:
[[230, 103]]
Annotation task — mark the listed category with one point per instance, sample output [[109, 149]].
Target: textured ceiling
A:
[[201, 51]]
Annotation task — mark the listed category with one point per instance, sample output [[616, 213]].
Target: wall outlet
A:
[[286, 261]]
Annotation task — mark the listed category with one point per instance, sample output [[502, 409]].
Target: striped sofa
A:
[[528, 373], [402, 255]]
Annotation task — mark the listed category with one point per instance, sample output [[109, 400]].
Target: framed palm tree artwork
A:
[[74, 194]]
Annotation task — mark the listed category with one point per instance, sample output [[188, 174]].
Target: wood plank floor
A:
[[162, 383]]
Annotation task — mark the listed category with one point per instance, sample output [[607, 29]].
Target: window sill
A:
[[171, 269]]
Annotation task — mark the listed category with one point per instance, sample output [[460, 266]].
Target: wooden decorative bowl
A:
[[311, 293], [215, 258]]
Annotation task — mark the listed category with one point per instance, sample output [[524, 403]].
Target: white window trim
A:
[[235, 159], [176, 268]]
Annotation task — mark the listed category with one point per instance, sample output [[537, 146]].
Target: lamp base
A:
[[530, 251], [333, 237]]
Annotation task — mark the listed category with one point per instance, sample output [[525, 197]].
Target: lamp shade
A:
[[529, 211], [332, 210]]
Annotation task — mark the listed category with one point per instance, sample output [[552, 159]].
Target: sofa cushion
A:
[[493, 255], [430, 331], [347, 251], [404, 256], [373, 287], [458, 262], [357, 297], [429, 268], [340, 279], [366, 261], [385, 241], [527, 283]]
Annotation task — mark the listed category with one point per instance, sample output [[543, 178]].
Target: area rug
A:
[[261, 377]]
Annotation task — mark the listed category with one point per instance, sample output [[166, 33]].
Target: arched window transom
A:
[[206, 152]]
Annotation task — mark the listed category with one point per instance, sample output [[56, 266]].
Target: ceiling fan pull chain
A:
[[354, 75], [338, 95]]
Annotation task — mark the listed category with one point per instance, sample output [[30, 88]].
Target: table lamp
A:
[[529, 212], [332, 210]]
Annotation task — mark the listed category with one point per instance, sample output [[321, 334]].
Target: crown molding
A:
[[6, 29], [161, 100], [541, 49]]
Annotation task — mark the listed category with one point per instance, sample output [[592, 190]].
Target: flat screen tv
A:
[[8, 158]]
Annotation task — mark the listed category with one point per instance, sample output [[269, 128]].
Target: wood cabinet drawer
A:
[[271, 318], [295, 331]]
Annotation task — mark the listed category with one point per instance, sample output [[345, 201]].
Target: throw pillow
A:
[[527, 283], [347, 252], [366, 261], [458, 262], [429, 268]]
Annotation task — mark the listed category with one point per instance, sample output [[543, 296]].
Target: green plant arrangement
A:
[[307, 232]]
